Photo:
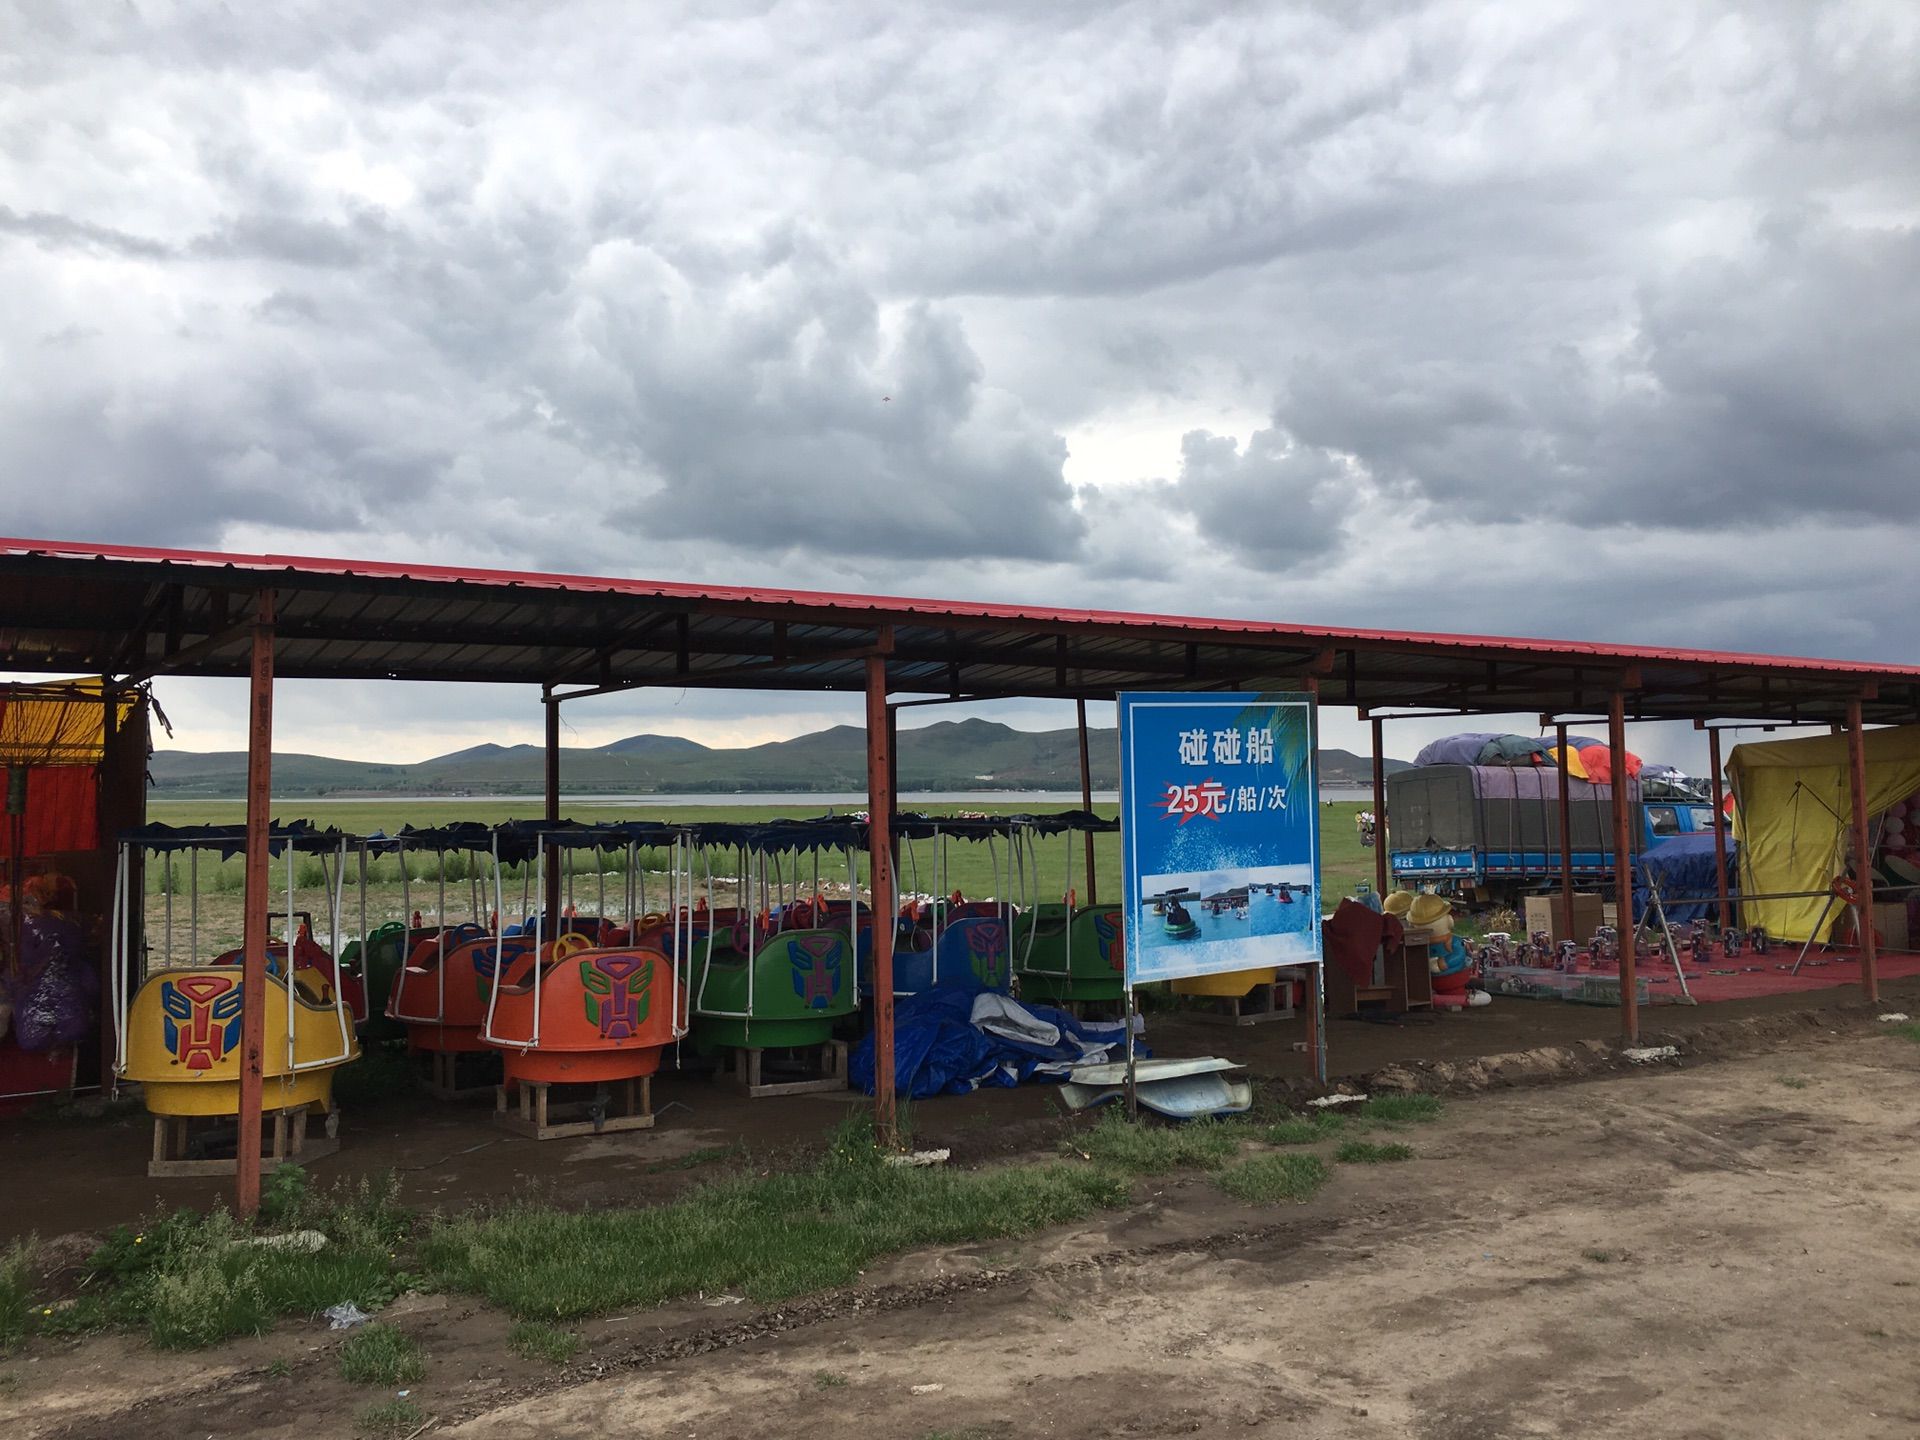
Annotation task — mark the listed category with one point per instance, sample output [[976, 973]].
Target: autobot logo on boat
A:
[[816, 969], [986, 944], [203, 1018], [619, 993]]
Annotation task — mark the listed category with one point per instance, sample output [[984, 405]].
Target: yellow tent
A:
[[57, 722], [1794, 813]]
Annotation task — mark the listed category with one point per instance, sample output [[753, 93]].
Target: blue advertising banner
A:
[[1220, 833]]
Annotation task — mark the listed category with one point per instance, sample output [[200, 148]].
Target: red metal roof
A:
[[138, 609]]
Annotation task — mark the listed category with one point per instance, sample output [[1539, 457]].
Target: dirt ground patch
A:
[[90, 1176], [1721, 1251]]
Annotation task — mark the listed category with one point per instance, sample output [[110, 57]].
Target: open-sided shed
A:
[[132, 613]]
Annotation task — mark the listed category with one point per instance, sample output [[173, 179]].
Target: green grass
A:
[[1268, 1179], [381, 1355], [1364, 1152], [537, 1340], [190, 1280], [1600, 1257], [1393, 1112], [764, 1237], [16, 1293], [388, 1420], [1910, 1032], [828, 1380], [1142, 1148], [1792, 1082], [1305, 1129]]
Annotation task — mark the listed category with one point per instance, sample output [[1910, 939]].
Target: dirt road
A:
[[1722, 1251]]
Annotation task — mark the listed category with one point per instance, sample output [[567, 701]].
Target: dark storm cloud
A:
[[1561, 295], [64, 232], [1276, 504], [1748, 393]]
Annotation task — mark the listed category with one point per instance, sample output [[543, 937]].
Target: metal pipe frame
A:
[[1862, 851], [1623, 869], [880, 859]]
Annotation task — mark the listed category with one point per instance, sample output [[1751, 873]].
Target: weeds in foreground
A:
[[1392, 1112], [389, 1419], [1268, 1179], [828, 1380], [1145, 1149], [1910, 1032], [1305, 1129], [767, 1237], [1600, 1257], [537, 1340], [1792, 1082], [16, 1292], [1365, 1152], [381, 1355], [190, 1280]]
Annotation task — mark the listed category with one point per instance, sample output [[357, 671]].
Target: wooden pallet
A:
[[744, 1066], [173, 1137], [540, 1116], [443, 1075], [1265, 1002]]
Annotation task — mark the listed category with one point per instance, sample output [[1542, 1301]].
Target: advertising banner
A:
[[1220, 833]]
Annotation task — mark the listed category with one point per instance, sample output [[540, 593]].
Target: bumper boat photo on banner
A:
[[1220, 833]]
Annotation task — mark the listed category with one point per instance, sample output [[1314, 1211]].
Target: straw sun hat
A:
[[1397, 903]]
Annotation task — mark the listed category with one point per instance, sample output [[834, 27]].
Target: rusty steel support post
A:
[[253, 953], [555, 900], [1566, 829], [1086, 799], [1623, 869], [1316, 974], [1719, 828], [880, 863], [1862, 851], [1380, 876]]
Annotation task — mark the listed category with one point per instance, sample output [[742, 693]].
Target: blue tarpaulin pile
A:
[[949, 1040], [1683, 866]]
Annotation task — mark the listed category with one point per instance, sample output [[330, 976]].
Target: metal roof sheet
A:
[[144, 610]]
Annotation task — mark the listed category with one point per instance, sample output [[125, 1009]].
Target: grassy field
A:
[[973, 868]]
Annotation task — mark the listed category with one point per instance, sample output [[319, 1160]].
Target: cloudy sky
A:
[[1570, 319]]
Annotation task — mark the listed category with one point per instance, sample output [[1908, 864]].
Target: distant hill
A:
[[949, 755]]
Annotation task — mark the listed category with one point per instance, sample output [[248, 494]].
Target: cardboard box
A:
[[1890, 924], [1549, 913]]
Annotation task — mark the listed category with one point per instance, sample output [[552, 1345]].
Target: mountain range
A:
[[948, 755]]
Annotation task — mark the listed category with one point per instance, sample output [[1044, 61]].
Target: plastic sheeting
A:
[[1682, 865], [951, 1041], [1455, 749], [1793, 814]]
